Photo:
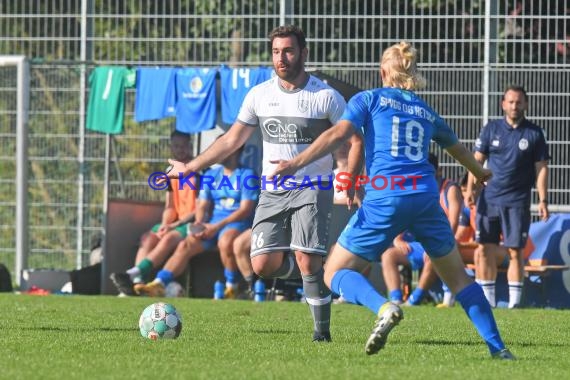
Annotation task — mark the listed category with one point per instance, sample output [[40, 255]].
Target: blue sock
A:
[[473, 301], [231, 276], [396, 295], [417, 296], [165, 276], [355, 288]]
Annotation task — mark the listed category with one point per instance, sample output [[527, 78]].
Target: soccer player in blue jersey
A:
[[402, 194], [516, 152]]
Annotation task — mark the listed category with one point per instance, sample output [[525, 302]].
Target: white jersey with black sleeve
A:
[[290, 121]]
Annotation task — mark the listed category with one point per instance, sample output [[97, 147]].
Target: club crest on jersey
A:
[[196, 84], [523, 144], [303, 105]]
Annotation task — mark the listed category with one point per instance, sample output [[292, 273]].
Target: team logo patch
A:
[[303, 105], [196, 84], [523, 144]]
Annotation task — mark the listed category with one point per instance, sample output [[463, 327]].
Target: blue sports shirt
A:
[[235, 84], [226, 192], [511, 156], [155, 96], [195, 99], [398, 127]]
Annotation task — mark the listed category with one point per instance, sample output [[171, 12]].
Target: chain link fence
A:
[[470, 50]]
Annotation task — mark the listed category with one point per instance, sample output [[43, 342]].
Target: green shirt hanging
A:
[[105, 112]]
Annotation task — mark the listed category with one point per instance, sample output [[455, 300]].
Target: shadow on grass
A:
[[440, 342], [75, 328], [272, 331]]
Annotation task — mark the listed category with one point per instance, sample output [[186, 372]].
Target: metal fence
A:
[[470, 50]]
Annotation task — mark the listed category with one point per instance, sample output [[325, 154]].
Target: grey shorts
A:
[[296, 220]]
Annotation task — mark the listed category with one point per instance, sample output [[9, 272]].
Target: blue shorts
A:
[[372, 228], [240, 226], [416, 255], [512, 222]]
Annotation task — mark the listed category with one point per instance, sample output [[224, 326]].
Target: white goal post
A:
[[22, 106]]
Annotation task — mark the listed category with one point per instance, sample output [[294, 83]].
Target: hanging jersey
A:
[[226, 192], [398, 127], [155, 96], [196, 100], [290, 121], [106, 107], [235, 84]]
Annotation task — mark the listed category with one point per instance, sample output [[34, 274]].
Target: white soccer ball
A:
[[174, 289], [160, 321]]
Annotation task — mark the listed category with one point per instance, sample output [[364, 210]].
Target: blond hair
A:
[[399, 62]]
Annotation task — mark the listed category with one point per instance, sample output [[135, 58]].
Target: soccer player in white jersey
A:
[[290, 227]]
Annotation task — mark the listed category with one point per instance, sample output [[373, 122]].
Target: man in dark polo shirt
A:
[[516, 152]]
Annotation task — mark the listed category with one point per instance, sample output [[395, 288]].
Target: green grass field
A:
[[82, 337]]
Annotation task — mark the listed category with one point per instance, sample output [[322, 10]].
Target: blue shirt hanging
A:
[[196, 99], [235, 84], [155, 96]]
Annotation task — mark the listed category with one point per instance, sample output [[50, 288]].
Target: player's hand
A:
[[282, 168], [209, 231], [162, 230], [402, 245], [543, 211], [483, 176], [349, 193], [173, 170], [469, 199]]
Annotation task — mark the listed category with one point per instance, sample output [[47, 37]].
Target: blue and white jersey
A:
[[196, 99], [226, 192], [235, 84], [398, 127], [512, 154], [155, 96]]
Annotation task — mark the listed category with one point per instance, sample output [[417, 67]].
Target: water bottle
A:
[[219, 288], [259, 291]]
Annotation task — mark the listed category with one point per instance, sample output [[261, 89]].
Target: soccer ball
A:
[[174, 289], [160, 321]]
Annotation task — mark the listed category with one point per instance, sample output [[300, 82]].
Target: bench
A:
[[538, 270], [126, 222], [542, 271]]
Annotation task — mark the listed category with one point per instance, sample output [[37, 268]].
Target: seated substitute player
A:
[[398, 127], [233, 202], [162, 240]]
